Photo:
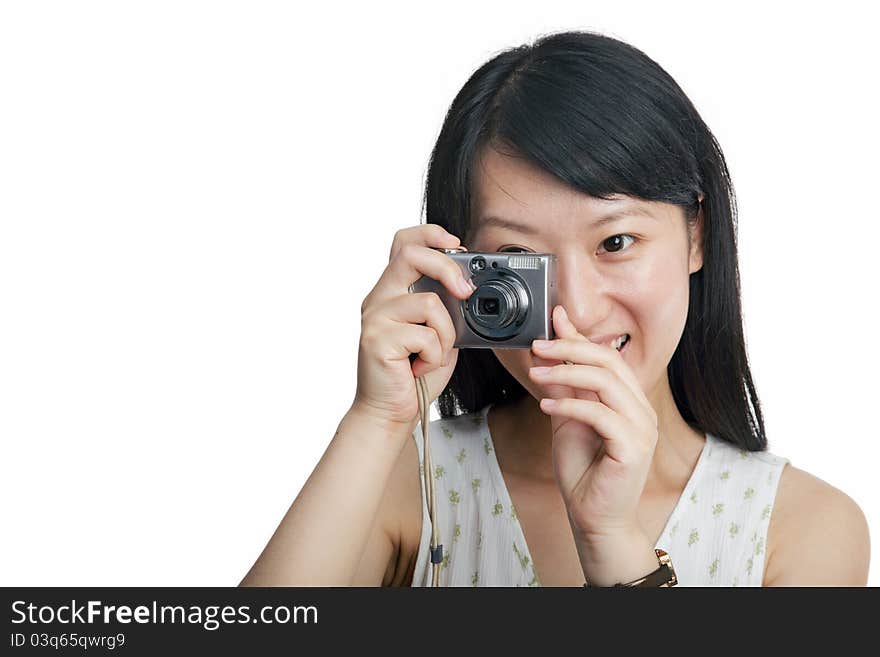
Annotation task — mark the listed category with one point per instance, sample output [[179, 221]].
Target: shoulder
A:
[[818, 535]]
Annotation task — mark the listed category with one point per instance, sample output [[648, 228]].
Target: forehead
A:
[[509, 187], [511, 179]]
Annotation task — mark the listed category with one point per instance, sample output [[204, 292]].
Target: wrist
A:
[[362, 419], [616, 558]]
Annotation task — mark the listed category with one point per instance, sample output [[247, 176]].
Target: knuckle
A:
[[437, 231], [368, 337], [592, 406], [408, 251], [446, 341], [449, 333], [433, 302], [454, 271], [395, 242]]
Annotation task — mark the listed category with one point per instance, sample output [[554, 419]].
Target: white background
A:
[[196, 196]]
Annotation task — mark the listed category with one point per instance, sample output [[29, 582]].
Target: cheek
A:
[[661, 303]]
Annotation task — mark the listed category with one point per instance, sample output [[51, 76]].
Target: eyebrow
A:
[[615, 215]]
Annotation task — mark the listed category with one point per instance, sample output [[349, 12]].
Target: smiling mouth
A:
[[621, 342]]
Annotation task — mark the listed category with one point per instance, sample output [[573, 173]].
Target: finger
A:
[[551, 390], [611, 391], [554, 391], [427, 235], [431, 235], [585, 352], [391, 341], [421, 340], [411, 264], [620, 366], [610, 426], [563, 326], [422, 307]]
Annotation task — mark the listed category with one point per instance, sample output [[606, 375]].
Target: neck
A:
[[525, 435]]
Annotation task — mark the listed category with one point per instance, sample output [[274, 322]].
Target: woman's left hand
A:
[[604, 432]]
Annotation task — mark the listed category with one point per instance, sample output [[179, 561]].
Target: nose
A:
[[582, 291]]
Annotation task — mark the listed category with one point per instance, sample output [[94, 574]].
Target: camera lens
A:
[[488, 306], [499, 306]]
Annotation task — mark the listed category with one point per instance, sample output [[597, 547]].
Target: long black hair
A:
[[605, 118]]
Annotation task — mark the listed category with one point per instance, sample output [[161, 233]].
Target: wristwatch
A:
[[664, 576]]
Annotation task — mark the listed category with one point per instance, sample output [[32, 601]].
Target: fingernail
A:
[[542, 344], [548, 403], [540, 371], [466, 286]]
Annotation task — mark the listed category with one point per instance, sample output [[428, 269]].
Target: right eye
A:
[[512, 248]]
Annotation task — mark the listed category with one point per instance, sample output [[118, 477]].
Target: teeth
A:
[[619, 342]]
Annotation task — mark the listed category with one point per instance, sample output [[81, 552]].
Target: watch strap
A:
[[664, 576]]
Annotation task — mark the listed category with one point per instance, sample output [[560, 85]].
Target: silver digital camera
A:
[[513, 302]]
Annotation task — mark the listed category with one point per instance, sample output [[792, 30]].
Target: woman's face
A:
[[626, 275]]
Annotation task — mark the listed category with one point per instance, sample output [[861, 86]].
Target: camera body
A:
[[513, 302]]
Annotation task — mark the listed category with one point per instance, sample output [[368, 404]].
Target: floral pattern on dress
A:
[[729, 496]]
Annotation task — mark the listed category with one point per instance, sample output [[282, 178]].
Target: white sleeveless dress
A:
[[715, 536]]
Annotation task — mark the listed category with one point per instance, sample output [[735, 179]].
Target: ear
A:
[[696, 255]]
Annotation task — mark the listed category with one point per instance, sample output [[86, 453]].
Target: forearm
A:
[[320, 540]]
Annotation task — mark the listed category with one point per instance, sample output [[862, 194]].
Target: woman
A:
[[569, 462]]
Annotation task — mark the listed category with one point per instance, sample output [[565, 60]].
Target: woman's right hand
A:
[[396, 323]]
